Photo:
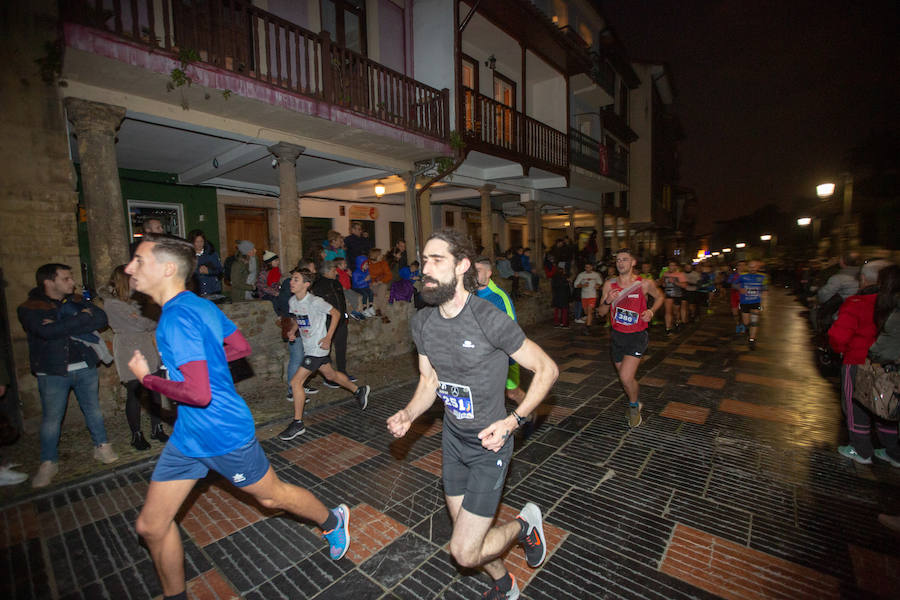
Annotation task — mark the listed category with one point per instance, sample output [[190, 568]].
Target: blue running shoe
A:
[[339, 537]]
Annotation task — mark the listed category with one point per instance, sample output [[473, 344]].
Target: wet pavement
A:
[[731, 488]]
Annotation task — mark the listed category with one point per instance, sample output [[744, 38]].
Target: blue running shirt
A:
[[753, 284], [193, 328], [496, 296]]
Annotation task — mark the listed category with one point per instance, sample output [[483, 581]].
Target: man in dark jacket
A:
[[60, 327], [355, 244], [328, 288]]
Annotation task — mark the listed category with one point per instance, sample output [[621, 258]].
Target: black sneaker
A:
[[310, 390], [330, 384], [293, 430], [362, 396], [350, 377], [138, 442], [532, 539], [495, 594], [159, 434], [752, 343]]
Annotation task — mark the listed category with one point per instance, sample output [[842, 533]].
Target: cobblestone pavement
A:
[[731, 488]]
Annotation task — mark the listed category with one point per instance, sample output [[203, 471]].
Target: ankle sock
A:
[[181, 596], [330, 523], [523, 529], [504, 584]]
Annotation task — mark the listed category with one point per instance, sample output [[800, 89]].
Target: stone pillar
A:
[[425, 215], [626, 223], [535, 233], [291, 249], [487, 223], [571, 232], [409, 219], [95, 127]]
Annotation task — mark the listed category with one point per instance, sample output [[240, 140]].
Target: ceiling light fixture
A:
[[379, 188]]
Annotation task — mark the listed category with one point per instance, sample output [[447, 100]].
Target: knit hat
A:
[[269, 256], [245, 247]]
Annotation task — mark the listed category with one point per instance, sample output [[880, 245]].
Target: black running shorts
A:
[[475, 473], [746, 308], [628, 344], [312, 363]]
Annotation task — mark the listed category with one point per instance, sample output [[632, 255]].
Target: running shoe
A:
[[330, 384], [10, 477], [881, 454], [362, 396], [290, 396], [580, 321], [495, 594], [633, 414], [357, 315], [532, 538], [310, 390], [339, 537], [752, 343], [351, 378], [668, 333], [293, 430], [851, 453]]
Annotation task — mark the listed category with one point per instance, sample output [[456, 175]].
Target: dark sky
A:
[[771, 93]]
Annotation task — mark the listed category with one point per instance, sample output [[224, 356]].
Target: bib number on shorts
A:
[[457, 399], [624, 316]]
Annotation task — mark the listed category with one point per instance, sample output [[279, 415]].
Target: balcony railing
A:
[[236, 36], [497, 129], [610, 159]]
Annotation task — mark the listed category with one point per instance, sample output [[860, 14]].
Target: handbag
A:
[[878, 389]]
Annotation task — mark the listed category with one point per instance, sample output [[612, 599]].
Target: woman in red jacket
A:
[[852, 334]]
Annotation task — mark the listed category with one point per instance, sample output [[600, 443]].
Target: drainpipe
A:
[[412, 200]]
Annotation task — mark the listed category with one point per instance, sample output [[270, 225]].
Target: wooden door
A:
[[246, 223]]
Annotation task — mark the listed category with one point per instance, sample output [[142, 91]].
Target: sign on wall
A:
[[363, 212]]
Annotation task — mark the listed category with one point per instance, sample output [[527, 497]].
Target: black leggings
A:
[[133, 406]]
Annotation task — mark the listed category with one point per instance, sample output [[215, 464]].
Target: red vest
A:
[[625, 312]]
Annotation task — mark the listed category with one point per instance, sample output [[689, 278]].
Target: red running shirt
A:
[[625, 313]]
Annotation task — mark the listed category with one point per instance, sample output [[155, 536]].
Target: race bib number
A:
[[457, 399], [751, 293], [624, 316], [303, 324]]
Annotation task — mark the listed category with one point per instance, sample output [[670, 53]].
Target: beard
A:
[[439, 294]]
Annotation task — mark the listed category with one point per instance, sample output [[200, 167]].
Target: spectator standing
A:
[[355, 244], [59, 325], [561, 295], [133, 331], [399, 254], [7, 475], [360, 281], [380, 281], [589, 281], [242, 285], [852, 334], [329, 289], [209, 269], [269, 282], [151, 225]]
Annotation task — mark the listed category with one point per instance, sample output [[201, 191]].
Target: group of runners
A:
[[470, 348]]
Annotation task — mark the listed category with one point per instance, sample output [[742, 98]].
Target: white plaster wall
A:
[[433, 46], [330, 209], [547, 102], [640, 108]]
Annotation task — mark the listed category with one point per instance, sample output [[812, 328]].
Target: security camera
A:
[[274, 162]]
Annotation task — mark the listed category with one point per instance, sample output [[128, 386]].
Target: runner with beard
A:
[[464, 344], [625, 299]]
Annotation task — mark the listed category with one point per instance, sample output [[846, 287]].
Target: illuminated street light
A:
[[726, 249], [716, 253], [740, 245], [804, 221], [765, 237], [825, 190]]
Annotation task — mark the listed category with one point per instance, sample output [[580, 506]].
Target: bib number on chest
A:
[[624, 316], [457, 399], [752, 293], [303, 324]]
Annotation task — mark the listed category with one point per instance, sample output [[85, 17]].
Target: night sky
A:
[[772, 94]]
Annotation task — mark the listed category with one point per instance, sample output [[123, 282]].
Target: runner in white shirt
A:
[[589, 281]]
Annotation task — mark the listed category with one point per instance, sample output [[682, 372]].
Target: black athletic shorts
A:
[[473, 472], [695, 297], [628, 344], [312, 363], [746, 308], [676, 300]]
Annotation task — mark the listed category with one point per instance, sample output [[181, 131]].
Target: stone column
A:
[[95, 127], [614, 245], [571, 232], [409, 219], [487, 223], [291, 249], [425, 215], [626, 223]]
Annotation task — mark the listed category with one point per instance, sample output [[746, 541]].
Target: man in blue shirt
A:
[[215, 429], [752, 287]]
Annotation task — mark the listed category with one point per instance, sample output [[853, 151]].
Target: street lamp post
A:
[[825, 191]]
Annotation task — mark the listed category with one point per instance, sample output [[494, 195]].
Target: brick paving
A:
[[731, 488]]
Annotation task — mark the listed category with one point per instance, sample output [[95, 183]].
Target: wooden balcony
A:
[[609, 160], [497, 129], [238, 37]]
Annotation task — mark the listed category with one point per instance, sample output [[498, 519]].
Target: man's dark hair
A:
[[307, 275], [485, 260], [48, 273], [415, 262], [460, 247], [171, 248], [850, 259], [626, 251]]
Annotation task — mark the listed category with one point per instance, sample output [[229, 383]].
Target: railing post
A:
[[445, 117], [327, 67]]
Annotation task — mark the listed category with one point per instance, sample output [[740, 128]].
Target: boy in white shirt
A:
[[309, 313], [589, 281]]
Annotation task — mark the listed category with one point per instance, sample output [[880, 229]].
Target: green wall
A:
[[155, 186]]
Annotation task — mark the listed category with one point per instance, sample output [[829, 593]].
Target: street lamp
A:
[[765, 238], [726, 250], [740, 245], [804, 221], [825, 190]]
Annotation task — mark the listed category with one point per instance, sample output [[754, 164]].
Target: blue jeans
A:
[[295, 360], [54, 390]]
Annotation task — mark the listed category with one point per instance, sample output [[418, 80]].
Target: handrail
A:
[[238, 37]]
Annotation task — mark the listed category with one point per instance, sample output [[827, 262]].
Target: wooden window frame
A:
[[340, 36]]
